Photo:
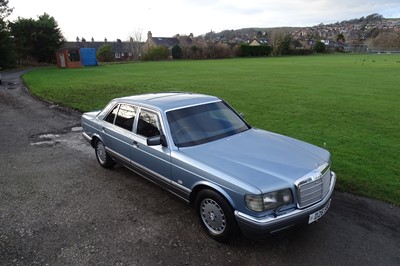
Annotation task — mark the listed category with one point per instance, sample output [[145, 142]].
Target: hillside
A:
[[373, 31]]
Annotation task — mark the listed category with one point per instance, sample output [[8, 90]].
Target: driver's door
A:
[[153, 160]]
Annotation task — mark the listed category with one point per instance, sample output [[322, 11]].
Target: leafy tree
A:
[[176, 52], [285, 45], [6, 45], [7, 58], [5, 11], [23, 31], [37, 39], [340, 38], [374, 17], [320, 47], [48, 39], [105, 53]]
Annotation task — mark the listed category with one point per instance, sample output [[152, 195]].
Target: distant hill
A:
[[374, 31]]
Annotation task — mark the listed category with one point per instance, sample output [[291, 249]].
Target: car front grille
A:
[[314, 186]]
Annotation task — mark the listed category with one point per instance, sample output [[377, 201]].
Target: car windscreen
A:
[[204, 123]]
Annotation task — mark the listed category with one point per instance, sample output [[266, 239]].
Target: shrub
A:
[[247, 50], [105, 54], [157, 53]]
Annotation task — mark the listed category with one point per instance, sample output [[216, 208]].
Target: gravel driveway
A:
[[58, 207]]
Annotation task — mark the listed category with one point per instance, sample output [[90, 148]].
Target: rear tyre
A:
[[216, 215], [101, 155]]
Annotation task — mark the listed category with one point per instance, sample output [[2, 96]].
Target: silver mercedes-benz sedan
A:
[[238, 178]]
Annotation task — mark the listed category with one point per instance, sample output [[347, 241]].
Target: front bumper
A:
[[256, 227]]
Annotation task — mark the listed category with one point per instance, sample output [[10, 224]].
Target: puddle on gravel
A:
[[12, 85], [72, 138], [47, 139], [76, 129], [49, 136]]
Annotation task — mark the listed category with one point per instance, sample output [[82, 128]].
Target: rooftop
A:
[[167, 101]]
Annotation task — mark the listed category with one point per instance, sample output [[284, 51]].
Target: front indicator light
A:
[[254, 202]]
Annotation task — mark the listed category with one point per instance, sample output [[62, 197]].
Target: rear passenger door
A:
[[154, 160], [117, 131]]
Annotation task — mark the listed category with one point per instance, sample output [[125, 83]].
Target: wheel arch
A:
[[95, 137], [205, 185]]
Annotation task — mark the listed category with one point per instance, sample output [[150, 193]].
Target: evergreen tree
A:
[[7, 58], [37, 39], [176, 52], [320, 47], [48, 39], [23, 32]]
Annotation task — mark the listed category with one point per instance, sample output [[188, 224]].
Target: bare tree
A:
[[281, 42], [136, 43], [386, 40]]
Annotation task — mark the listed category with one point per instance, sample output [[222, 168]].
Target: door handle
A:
[[135, 143]]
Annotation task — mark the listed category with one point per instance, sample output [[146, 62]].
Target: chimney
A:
[[149, 35]]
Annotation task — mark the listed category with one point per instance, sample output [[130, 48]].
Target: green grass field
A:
[[349, 102]]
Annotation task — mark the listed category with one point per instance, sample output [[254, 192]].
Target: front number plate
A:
[[317, 215]]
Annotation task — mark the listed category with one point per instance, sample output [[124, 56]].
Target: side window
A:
[[111, 116], [148, 124], [126, 116]]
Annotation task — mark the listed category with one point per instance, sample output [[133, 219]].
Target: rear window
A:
[[122, 115]]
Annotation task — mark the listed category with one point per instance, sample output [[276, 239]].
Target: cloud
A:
[[119, 18]]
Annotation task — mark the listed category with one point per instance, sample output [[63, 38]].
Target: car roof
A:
[[166, 101]]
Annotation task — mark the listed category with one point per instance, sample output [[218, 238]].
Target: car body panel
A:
[[273, 168], [252, 162]]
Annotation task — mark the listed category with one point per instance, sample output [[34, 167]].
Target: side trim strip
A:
[[173, 187]]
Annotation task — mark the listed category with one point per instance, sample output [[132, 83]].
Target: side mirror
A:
[[157, 140]]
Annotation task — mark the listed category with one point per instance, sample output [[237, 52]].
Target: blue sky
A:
[[123, 18]]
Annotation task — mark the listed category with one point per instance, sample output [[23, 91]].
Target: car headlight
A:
[[269, 201]]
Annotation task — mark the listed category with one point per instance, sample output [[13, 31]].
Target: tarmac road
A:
[[58, 207]]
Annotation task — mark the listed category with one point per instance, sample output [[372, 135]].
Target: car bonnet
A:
[[262, 159]]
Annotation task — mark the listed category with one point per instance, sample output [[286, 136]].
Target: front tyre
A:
[[216, 215], [101, 155]]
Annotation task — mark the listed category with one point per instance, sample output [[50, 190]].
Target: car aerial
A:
[[238, 178]]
